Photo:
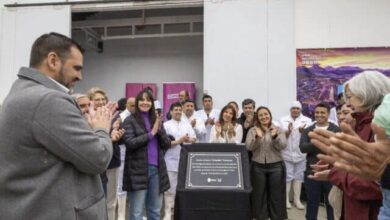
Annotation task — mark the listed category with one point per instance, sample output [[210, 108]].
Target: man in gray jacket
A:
[[50, 157]]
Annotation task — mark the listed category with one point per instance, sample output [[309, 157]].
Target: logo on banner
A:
[[173, 96]]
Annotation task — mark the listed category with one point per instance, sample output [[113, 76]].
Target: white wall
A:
[[342, 23], [249, 44], [37, 1], [153, 60], [20, 27], [250, 52]]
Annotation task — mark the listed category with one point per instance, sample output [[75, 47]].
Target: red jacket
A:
[[362, 198]]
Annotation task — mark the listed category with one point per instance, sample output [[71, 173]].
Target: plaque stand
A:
[[213, 183]]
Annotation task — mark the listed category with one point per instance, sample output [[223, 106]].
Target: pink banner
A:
[[132, 89], [171, 93]]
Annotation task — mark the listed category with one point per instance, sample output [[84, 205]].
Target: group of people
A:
[[82, 157]]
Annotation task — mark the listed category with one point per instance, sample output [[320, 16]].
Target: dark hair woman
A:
[[226, 130], [145, 174], [266, 141]]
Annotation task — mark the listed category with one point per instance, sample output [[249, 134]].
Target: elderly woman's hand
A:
[[350, 153]]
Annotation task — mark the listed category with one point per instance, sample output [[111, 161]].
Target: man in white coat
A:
[[293, 124], [208, 115], [182, 132], [189, 116]]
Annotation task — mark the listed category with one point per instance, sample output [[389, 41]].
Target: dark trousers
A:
[[314, 190], [269, 191]]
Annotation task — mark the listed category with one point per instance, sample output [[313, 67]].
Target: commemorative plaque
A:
[[214, 170], [213, 183]]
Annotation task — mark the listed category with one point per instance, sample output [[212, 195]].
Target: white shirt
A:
[[177, 129], [214, 114], [225, 139], [333, 116], [199, 128], [126, 113], [59, 84], [292, 153]]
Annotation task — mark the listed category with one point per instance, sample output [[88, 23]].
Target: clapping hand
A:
[[193, 122], [210, 121], [101, 119], [320, 171], [321, 139], [348, 152], [157, 125], [259, 133], [274, 132], [248, 121], [301, 128], [116, 132]]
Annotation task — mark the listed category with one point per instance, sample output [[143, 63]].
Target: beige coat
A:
[[265, 149]]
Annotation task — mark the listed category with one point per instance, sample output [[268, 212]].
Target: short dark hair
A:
[[188, 100], [323, 105], [174, 105], [122, 104], [205, 96], [248, 101], [338, 107], [340, 96], [52, 42]]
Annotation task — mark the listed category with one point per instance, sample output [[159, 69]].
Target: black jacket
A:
[[116, 156], [307, 147], [241, 121], [135, 174]]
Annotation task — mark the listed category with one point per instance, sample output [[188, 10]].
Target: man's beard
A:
[[61, 80], [189, 113]]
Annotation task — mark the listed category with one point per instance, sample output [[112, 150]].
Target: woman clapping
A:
[[265, 141], [226, 130]]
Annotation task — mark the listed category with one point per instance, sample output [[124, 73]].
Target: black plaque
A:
[[214, 170]]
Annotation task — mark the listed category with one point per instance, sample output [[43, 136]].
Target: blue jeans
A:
[[314, 189], [384, 212], [151, 197]]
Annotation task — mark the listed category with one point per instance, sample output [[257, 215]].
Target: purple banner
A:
[[132, 89], [171, 93]]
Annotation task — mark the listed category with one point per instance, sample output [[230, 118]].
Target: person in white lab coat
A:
[[208, 115], [181, 131], [196, 123], [293, 124]]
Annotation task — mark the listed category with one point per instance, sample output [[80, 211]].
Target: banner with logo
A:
[[171, 93], [132, 89]]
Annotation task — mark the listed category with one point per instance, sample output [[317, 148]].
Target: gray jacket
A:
[[49, 157], [266, 149]]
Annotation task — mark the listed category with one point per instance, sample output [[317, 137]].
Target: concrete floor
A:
[[296, 214], [293, 214]]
